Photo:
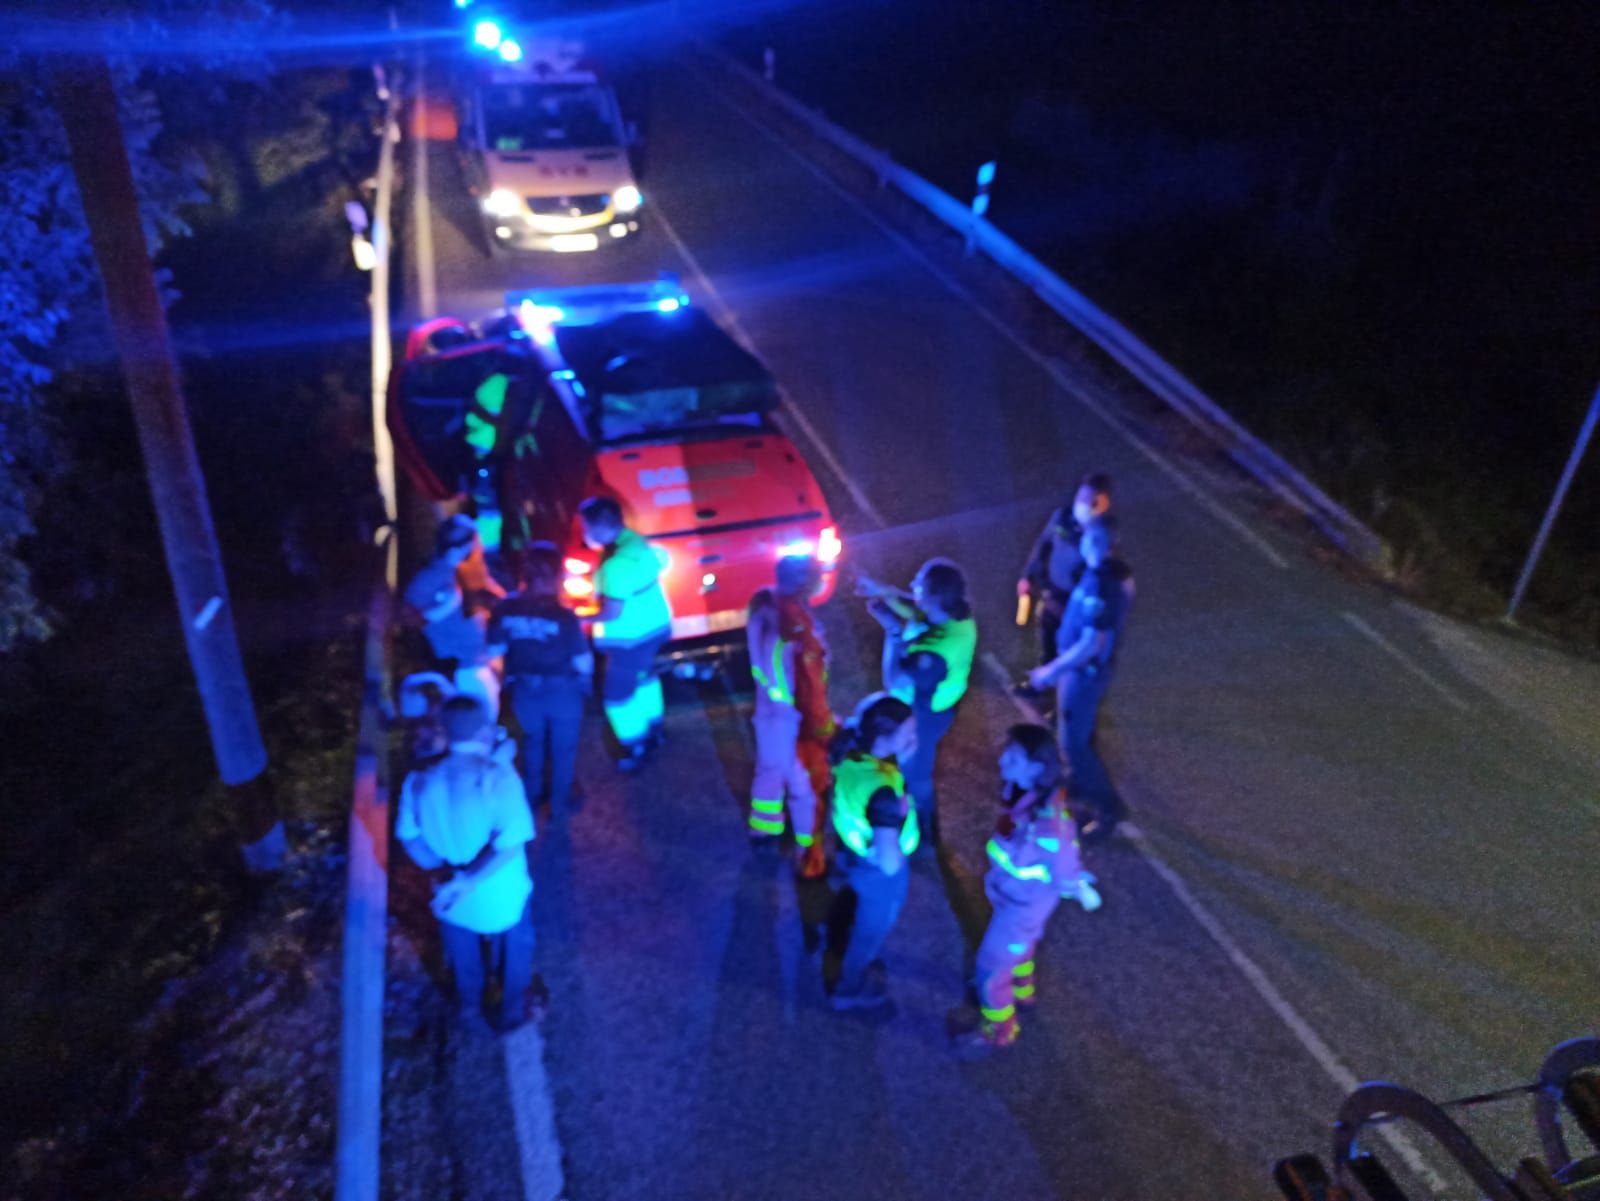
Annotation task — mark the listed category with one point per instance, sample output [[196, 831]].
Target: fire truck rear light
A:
[[579, 587], [829, 547], [578, 566]]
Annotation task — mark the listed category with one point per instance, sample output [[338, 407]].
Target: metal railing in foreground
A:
[[1566, 1091]]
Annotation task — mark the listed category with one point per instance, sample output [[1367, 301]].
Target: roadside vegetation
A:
[[172, 1022]]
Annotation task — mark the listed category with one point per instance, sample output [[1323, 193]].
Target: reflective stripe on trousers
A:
[[1005, 956], [781, 775]]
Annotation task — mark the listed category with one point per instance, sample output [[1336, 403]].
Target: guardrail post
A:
[[980, 202]]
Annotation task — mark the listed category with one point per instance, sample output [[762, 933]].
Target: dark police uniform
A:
[[542, 638], [1098, 601], [1053, 567]]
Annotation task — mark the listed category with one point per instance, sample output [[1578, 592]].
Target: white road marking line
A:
[[1330, 1063], [533, 1115], [422, 207], [726, 316], [1067, 385], [1405, 661]]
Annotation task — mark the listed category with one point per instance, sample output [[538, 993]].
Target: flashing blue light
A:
[[511, 51], [986, 174], [463, 3], [488, 34], [802, 549], [669, 304], [980, 205]]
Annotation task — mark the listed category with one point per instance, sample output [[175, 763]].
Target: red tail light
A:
[[829, 547]]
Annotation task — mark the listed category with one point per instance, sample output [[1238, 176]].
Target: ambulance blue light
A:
[[669, 304], [488, 34], [511, 51]]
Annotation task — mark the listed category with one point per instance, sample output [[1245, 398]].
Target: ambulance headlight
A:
[[502, 202], [626, 199]]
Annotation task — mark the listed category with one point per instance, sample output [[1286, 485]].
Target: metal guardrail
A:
[[1161, 378], [365, 919]]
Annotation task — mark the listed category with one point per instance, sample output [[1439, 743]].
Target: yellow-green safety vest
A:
[[854, 782], [483, 428], [955, 642], [629, 571]]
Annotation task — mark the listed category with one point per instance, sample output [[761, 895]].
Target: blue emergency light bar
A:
[[597, 302]]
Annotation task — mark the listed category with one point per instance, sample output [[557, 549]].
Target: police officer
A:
[[455, 636], [634, 623], [877, 825], [793, 722], [1086, 647], [548, 671], [928, 654], [1034, 863], [1053, 562]]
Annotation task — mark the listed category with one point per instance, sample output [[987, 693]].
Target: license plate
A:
[[727, 619]]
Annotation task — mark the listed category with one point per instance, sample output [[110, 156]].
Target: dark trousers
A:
[[878, 900], [550, 711], [510, 957], [1078, 700], [918, 767], [1052, 608]]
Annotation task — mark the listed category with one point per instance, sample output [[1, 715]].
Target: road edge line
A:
[[1327, 1059]]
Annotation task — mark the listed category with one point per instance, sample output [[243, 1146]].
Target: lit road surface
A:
[[1353, 861]]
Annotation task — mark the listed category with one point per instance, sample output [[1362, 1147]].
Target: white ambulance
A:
[[549, 155]]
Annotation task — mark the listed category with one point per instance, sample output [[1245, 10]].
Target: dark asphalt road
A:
[[1408, 862]]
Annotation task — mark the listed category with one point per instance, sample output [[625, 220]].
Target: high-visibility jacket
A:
[[1037, 858], [854, 783], [955, 642], [772, 662], [630, 572], [483, 414]]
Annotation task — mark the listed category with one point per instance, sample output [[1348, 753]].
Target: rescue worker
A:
[[549, 669], [1033, 865], [1086, 646], [1047, 579], [877, 826], [793, 723], [632, 625], [928, 654], [455, 635], [464, 817], [482, 422]]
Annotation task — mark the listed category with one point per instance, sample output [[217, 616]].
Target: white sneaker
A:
[[1083, 891]]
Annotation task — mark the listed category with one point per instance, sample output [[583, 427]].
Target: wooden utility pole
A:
[[86, 101]]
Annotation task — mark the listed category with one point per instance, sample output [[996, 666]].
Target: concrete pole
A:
[[86, 100]]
